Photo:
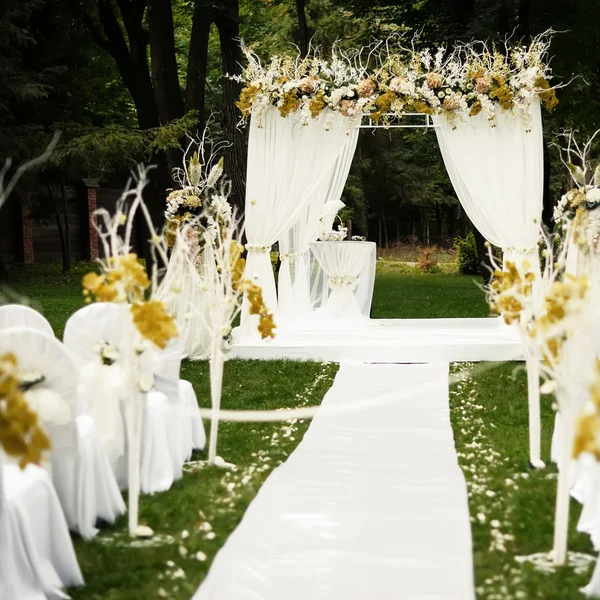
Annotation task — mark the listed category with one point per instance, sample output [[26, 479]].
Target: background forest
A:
[[126, 81]]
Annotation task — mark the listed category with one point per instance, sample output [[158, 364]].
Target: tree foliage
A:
[[126, 79]]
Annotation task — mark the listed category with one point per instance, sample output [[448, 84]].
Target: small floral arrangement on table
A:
[[467, 79], [332, 235], [20, 433]]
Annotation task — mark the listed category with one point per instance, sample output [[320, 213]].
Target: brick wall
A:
[[93, 234]]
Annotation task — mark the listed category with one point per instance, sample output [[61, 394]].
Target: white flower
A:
[[200, 556], [549, 387], [215, 174], [146, 382], [593, 195]]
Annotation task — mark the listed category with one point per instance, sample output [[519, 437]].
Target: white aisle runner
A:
[[371, 505]]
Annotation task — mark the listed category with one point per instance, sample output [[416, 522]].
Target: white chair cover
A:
[[18, 315], [81, 472], [37, 558], [84, 331], [287, 164], [183, 399], [342, 279]]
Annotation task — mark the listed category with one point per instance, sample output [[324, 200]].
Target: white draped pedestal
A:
[[343, 279], [371, 504]]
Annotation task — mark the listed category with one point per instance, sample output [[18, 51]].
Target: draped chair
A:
[[37, 558], [164, 450], [80, 469]]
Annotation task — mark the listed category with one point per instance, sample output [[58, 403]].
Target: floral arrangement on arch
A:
[[307, 86], [467, 79]]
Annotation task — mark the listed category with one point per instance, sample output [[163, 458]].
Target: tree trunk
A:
[[131, 59], [303, 34], [165, 79], [227, 22], [195, 92]]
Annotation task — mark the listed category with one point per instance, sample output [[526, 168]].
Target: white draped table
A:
[[342, 286]]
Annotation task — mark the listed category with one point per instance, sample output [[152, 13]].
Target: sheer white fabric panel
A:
[[354, 260], [182, 290], [497, 173], [287, 164], [37, 558], [294, 291]]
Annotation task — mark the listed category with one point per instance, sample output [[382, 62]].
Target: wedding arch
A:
[[484, 103]]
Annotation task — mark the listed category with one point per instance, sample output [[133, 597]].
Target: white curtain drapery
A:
[[294, 293], [287, 164], [497, 170]]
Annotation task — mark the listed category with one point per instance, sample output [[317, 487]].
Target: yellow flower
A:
[[266, 323], [546, 94], [238, 264], [317, 104], [98, 287], [289, 103], [131, 275], [154, 322], [20, 435], [384, 104], [125, 280]]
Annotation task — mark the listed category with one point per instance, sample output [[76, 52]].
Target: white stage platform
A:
[[392, 341]]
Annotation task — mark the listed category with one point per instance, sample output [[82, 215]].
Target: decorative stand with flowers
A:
[[187, 206], [124, 280], [226, 290]]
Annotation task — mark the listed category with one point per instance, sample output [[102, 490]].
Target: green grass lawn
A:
[[511, 506]]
